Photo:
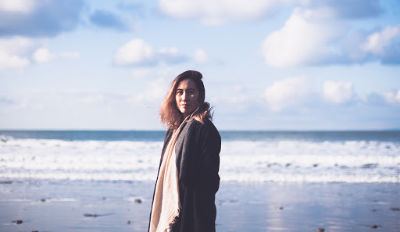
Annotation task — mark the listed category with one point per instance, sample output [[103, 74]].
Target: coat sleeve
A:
[[200, 160], [208, 178], [209, 161], [199, 179]]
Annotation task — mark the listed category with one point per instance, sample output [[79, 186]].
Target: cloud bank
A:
[[317, 37], [316, 33]]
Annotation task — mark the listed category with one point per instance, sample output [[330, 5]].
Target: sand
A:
[[40, 205]]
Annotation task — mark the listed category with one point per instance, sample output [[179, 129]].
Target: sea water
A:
[[291, 181], [246, 156]]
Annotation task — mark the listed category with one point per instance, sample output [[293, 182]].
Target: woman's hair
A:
[[170, 115]]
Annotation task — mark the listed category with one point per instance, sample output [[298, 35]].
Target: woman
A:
[[187, 180]]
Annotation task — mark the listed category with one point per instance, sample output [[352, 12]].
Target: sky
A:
[[266, 64]]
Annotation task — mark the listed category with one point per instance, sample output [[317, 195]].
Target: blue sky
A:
[[267, 64]]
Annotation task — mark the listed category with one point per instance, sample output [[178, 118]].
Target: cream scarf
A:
[[166, 202]]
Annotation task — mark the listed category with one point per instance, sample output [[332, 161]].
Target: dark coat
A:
[[197, 159]]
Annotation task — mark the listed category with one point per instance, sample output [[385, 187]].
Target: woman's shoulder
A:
[[205, 126]]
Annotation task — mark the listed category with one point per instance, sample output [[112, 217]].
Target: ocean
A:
[[246, 156], [293, 181]]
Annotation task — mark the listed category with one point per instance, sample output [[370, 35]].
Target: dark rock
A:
[[374, 210], [43, 200], [128, 222], [315, 165], [369, 165], [395, 209], [281, 208], [94, 215], [19, 221], [320, 229], [374, 226], [137, 200], [6, 182], [90, 215], [35, 231]]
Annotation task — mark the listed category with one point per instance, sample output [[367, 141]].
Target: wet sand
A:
[[125, 206]]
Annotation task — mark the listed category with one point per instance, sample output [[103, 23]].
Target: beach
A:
[[125, 206], [294, 181]]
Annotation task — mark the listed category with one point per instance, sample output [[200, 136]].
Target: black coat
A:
[[197, 159]]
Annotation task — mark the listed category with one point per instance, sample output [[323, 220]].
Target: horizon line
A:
[[230, 130]]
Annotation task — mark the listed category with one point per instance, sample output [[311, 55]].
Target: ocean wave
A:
[[243, 161]]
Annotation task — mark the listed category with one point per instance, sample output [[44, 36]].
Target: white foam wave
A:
[[282, 161]]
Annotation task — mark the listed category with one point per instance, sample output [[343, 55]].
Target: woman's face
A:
[[187, 97]]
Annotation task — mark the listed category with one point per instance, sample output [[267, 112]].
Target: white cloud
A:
[[136, 51], [392, 97], [17, 6], [200, 56], [217, 12], [384, 44], [14, 52], [17, 45], [43, 55], [20, 52], [170, 55], [288, 92], [337, 92], [320, 36], [12, 61], [304, 39], [380, 45]]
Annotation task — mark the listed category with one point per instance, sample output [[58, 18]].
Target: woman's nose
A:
[[184, 95]]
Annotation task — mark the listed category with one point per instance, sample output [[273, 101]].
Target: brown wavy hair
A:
[[169, 113]]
